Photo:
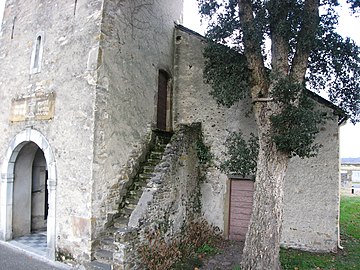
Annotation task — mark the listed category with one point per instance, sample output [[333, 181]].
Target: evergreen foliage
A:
[[295, 128], [203, 152], [241, 155], [355, 5], [306, 52], [226, 70], [334, 66]]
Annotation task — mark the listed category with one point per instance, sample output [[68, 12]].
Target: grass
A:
[[347, 259], [207, 249]]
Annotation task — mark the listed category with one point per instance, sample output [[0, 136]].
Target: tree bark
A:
[[262, 244], [306, 40], [252, 51], [279, 42]]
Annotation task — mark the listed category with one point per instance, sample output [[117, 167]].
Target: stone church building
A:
[[90, 93]]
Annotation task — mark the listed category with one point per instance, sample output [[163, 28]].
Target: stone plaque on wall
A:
[[33, 107]]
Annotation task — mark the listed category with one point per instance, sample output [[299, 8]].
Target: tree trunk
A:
[[262, 244]]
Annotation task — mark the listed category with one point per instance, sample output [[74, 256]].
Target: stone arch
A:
[[18, 143]]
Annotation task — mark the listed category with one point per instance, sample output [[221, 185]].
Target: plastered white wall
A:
[[311, 185]]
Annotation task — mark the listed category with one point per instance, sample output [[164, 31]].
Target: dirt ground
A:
[[228, 257]]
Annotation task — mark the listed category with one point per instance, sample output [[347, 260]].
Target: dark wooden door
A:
[[162, 100], [241, 202]]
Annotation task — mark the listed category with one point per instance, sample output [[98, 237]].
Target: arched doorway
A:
[[29, 188], [30, 205]]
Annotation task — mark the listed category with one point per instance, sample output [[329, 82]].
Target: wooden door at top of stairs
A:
[[162, 100]]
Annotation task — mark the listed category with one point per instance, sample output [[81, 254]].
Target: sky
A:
[[348, 26], [2, 4]]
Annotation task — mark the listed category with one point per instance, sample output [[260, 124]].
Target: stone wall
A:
[[136, 41], [311, 201], [100, 60], [311, 184], [192, 103], [171, 198], [70, 35]]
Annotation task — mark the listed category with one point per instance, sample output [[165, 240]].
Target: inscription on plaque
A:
[[33, 107]]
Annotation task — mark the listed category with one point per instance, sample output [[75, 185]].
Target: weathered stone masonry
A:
[[136, 41], [169, 200], [67, 70], [311, 184], [79, 81], [101, 60]]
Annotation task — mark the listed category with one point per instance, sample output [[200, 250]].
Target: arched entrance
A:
[[29, 188], [30, 205]]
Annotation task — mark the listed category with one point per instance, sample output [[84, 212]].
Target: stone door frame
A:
[[7, 185]]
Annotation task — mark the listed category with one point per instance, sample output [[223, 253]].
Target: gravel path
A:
[[228, 258]]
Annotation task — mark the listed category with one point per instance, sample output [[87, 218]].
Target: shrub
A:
[[159, 253]]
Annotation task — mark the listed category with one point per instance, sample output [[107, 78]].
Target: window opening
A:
[[75, 4], [36, 55], [13, 28], [37, 51]]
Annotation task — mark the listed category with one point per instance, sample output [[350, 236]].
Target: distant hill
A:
[[350, 160]]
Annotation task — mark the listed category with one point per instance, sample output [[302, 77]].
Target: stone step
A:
[[135, 193], [148, 168], [104, 255], [156, 155], [140, 190], [159, 147], [112, 215], [163, 138], [107, 243], [153, 161], [96, 265], [130, 206], [141, 178], [121, 222], [109, 231], [132, 200], [140, 184], [144, 176], [121, 205], [109, 224], [117, 227], [125, 212]]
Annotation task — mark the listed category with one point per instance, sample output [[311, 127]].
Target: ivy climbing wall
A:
[[311, 190]]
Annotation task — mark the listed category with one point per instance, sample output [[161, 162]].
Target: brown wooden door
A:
[[241, 202], [162, 100]]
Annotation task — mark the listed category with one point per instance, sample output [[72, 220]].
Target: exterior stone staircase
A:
[[117, 233]]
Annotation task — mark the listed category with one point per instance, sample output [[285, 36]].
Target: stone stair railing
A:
[[111, 247]]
